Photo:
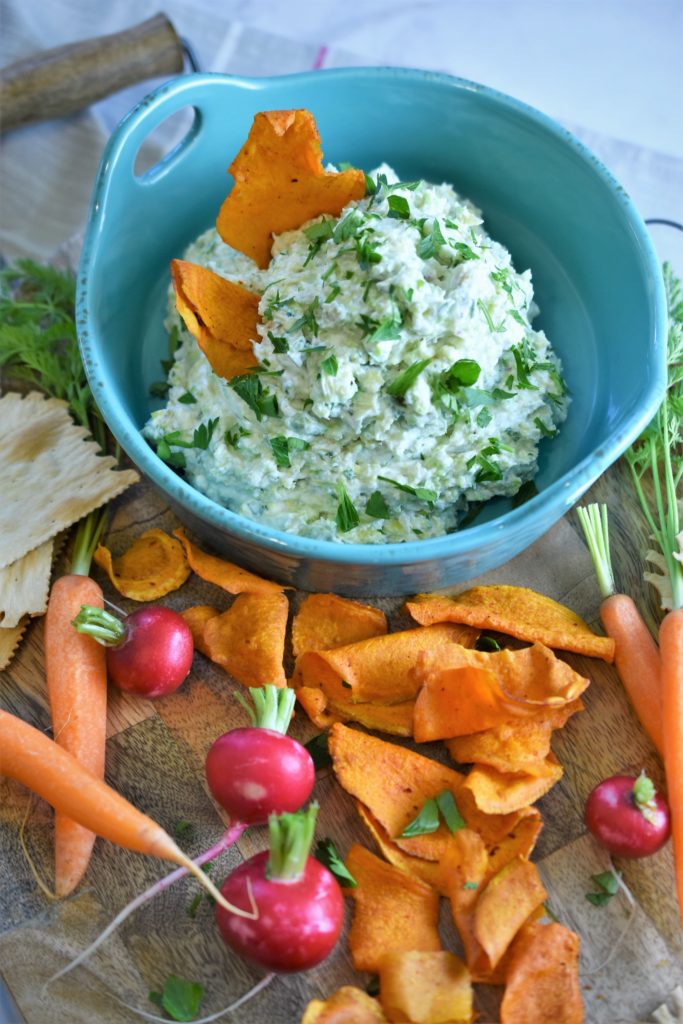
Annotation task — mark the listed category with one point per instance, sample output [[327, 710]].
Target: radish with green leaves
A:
[[627, 816], [301, 908], [149, 652]]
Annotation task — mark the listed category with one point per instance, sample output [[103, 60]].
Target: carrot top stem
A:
[[100, 625], [595, 525], [87, 538], [272, 707]]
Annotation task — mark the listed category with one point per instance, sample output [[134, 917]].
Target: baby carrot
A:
[[636, 655], [76, 673], [32, 758], [671, 646]]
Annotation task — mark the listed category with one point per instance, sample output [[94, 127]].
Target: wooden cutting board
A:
[[155, 756]]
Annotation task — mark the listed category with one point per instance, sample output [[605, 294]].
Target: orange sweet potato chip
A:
[[394, 912], [428, 871], [225, 574], [514, 746], [519, 842], [325, 620], [466, 869], [425, 988], [465, 691], [197, 617], [497, 792], [220, 315], [248, 640], [504, 905], [517, 611], [348, 1005], [381, 669], [153, 566], [280, 183], [394, 783], [542, 978], [315, 704]]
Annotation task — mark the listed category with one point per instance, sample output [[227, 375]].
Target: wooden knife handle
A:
[[56, 82]]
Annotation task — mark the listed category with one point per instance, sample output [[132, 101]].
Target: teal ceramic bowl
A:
[[544, 196]]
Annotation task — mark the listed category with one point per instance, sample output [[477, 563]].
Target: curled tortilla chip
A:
[[154, 565], [497, 792], [280, 183], [504, 905], [379, 670], [393, 911], [325, 620], [516, 611], [425, 988], [348, 1005], [196, 618], [394, 783], [248, 640], [465, 691], [542, 979], [220, 315], [514, 746], [224, 574]]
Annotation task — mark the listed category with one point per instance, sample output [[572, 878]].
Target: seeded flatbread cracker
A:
[[9, 641], [24, 585], [50, 476]]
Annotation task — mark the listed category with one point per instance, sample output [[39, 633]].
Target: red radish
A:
[[259, 770], [148, 653], [300, 904], [627, 816]]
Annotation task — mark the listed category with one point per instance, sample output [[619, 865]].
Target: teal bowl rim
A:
[[537, 514]]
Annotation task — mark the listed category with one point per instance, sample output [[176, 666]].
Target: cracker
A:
[[9, 641], [24, 585], [50, 476]]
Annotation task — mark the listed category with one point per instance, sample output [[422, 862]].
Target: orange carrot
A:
[[671, 646], [77, 688], [636, 655], [32, 758], [638, 662]]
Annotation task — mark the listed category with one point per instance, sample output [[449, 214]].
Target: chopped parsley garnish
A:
[[405, 380], [388, 330], [517, 316], [377, 507], [546, 431], [250, 389], [366, 324], [180, 998], [483, 418], [200, 439], [464, 372], [454, 386], [174, 459], [399, 207], [488, 644], [608, 884], [324, 229], [463, 250], [523, 356], [326, 852], [232, 437], [333, 293], [489, 319], [366, 251], [429, 246], [330, 365], [188, 398], [349, 226], [501, 278], [279, 344], [427, 821], [347, 513], [282, 446], [488, 471], [307, 321], [421, 493]]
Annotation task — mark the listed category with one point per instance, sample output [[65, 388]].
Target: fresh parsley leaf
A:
[[349, 226], [546, 431], [233, 437], [598, 899], [487, 643], [428, 247], [489, 320], [180, 998], [174, 459], [333, 293], [488, 471], [326, 853], [483, 418], [608, 885], [463, 250], [282, 446], [203, 434], [279, 344], [188, 399], [388, 330], [366, 251], [330, 365], [347, 513], [307, 322], [463, 373], [422, 493], [250, 389], [405, 380], [377, 507], [518, 317], [426, 821], [398, 207], [323, 230], [275, 303], [501, 278], [319, 750], [524, 365], [448, 809]]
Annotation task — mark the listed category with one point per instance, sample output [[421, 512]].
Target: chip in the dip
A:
[[399, 375]]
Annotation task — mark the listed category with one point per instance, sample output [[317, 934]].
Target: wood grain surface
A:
[[155, 755]]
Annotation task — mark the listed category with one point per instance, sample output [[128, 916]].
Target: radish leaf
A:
[[180, 998], [327, 854]]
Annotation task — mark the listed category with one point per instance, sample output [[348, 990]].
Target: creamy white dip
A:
[[396, 343]]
